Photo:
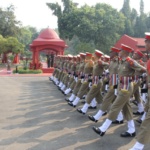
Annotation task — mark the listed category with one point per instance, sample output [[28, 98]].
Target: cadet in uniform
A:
[[73, 82], [70, 79], [126, 70], [67, 70], [113, 81], [87, 77], [95, 90], [137, 83], [80, 80], [143, 136], [55, 69]]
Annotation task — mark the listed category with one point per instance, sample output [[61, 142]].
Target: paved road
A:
[[35, 116]]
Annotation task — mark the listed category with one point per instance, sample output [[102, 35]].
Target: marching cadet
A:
[[77, 72], [56, 79], [126, 70], [95, 90], [105, 76], [64, 74], [113, 81], [80, 80], [87, 79], [144, 92], [55, 69], [144, 89], [66, 69], [72, 82], [137, 56], [73, 70], [143, 136], [61, 70], [71, 77]]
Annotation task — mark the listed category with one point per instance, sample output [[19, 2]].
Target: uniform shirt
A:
[[113, 66], [98, 69], [73, 67], [69, 63], [128, 66], [113, 71], [61, 63], [139, 72], [81, 67], [65, 65], [88, 67]]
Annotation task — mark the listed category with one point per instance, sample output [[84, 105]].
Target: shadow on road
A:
[[44, 121]]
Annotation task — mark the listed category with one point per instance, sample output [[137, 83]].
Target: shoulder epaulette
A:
[[130, 61]]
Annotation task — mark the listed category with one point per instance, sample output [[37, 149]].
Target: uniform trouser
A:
[[136, 92], [71, 80], [95, 92], [60, 75], [66, 79], [72, 85], [108, 99], [103, 86], [63, 76], [147, 105], [83, 89], [77, 87], [55, 71], [122, 103], [144, 132]]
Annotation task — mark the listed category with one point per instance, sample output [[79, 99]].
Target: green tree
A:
[[9, 26], [141, 25], [75, 46], [100, 24], [126, 10], [25, 37], [34, 32], [148, 22], [141, 7], [13, 45], [133, 17], [129, 24], [2, 44]]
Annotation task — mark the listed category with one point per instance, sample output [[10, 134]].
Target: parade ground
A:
[[35, 116]]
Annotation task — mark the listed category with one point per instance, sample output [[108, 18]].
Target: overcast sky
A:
[[37, 14]]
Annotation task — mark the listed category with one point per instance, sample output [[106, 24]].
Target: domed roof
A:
[[48, 34]]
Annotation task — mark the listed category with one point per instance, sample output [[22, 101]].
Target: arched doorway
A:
[[46, 57], [47, 40]]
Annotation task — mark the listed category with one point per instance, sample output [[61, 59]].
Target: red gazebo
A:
[[47, 41]]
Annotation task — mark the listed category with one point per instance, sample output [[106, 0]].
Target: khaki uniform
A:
[[57, 69], [72, 70], [67, 68], [61, 75], [113, 81], [95, 90], [56, 66], [144, 132], [126, 71], [64, 71], [79, 83], [73, 83], [137, 84], [85, 85]]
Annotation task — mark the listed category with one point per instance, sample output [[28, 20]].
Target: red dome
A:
[[48, 34]]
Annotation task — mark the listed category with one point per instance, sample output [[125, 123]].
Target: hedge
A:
[[21, 71]]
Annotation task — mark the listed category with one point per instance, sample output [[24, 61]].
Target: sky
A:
[[36, 13]]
